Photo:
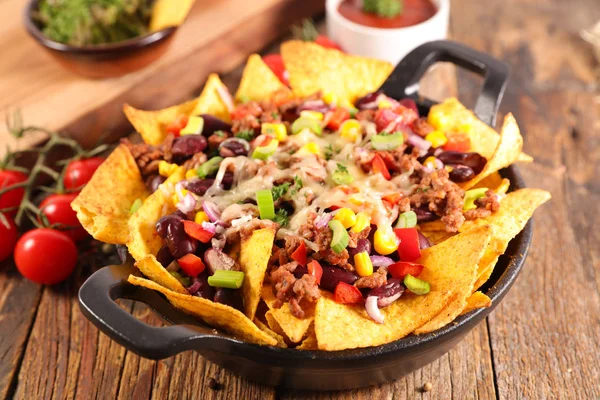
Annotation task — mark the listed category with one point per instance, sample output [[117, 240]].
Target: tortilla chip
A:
[[293, 328], [310, 342], [168, 13], [153, 270], [214, 314], [143, 239], [436, 237], [152, 125], [280, 341], [458, 118], [254, 259], [313, 68], [432, 226], [274, 325], [258, 81], [452, 265], [507, 152], [104, 203], [343, 326], [475, 301], [491, 181]]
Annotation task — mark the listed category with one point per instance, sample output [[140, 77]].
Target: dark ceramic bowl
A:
[[106, 60], [315, 370]]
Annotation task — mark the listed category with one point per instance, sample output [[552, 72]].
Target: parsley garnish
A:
[[246, 135], [280, 190], [281, 217], [298, 184], [329, 152], [341, 168], [275, 115]]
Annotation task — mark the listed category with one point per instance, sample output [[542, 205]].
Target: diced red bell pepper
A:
[[314, 269], [336, 118], [458, 142], [197, 232], [393, 198], [400, 269], [275, 62], [191, 265], [347, 294], [176, 126], [408, 249], [384, 118], [299, 255], [324, 41], [379, 167]]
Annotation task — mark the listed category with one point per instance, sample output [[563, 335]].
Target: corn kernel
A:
[[385, 241], [191, 174], [436, 138], [346, 216], [448, 168], [362, 222], [350, 130], [166, 169], [356, 200], [276, 130], [201, 217], [439, 120], [465, 128], [363, 264], [309, 148], [194, 126], [430, 162], [330, 98], [312, 114], [384, 104]]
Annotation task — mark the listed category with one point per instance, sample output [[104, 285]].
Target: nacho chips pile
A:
[[454, 268]]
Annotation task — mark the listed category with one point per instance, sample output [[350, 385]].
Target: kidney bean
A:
[[333, 275], [230, 297], [234, 147], [186, 146], [299, 271], [164, 256], [213, 124], [199, 186], [177, 240], [473, 160], [362, 245], [425, 215], [153, 182], [164, 222], [388, 293], [204, 290], [227, 181], [216, 260], [369, 98], [461, 173]]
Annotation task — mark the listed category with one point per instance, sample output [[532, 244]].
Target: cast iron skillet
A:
[[316, 370]]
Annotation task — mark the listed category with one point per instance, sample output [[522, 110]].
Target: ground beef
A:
[[297, 292], [366, 115], [147, 157], [421, 127], [398, 162], [356, 236], [337, 259], [247, 123], [278, 257], [292, 243], [215, 140], [441, 196], [308, 230], [375, 280], [485, 206], [197, 160]]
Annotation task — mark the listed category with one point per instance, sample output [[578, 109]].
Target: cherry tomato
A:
[[275, 62], [379, 167], [336, 118], [400, 269], [57, 209], [197, 232], [408, 249], [79, 172], [191, 265], [176, 126], [347, 294], [458, 142], [299, 255], [9, 235], [315, 269], [326, 42], [13, 197], [45, 256]]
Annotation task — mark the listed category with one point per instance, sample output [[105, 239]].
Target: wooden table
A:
[[541, 342]]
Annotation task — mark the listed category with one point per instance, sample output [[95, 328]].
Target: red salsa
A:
[[414, 12]]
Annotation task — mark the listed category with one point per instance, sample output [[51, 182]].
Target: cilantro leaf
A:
[[280, 190], [246, 135], [281, 217]]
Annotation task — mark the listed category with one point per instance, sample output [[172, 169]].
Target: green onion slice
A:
[[209, 167], [194, 126], [266, 207], [416, 285], [264, 152], [387, 142], [135, 206], [340, 236], [407, 220], [305, 122], [471, 196], [226, 279], [342, 178]]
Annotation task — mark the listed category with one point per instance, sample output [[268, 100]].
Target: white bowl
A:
[[385, 44]]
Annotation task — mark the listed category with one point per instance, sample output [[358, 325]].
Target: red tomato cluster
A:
[[45, 255]]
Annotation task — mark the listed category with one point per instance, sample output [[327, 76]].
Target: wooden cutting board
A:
[[217, 36]]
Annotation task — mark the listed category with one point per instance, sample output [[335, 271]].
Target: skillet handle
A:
[[404, 80], [97, 302]]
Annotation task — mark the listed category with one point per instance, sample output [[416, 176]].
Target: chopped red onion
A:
[[188, 204], [211, 210], [423, 241], [381, 261], [373, 310], [226, 97], [210, 227], [322, 220], [417, 141], [386, 301], [314, 105], [194, 287]]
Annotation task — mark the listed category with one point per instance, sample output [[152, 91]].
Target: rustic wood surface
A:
[[540, 342]]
